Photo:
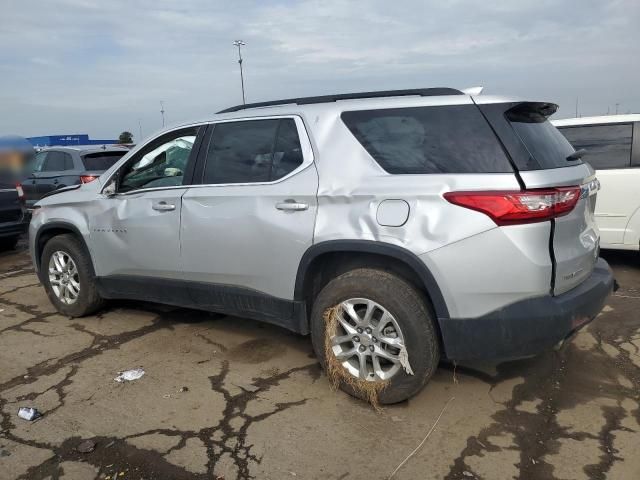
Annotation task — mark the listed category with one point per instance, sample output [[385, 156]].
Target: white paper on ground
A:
[[129, 375]]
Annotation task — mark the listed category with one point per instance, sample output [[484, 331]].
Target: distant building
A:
[[67, 140]]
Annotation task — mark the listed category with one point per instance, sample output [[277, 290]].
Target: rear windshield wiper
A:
[[577, 155]]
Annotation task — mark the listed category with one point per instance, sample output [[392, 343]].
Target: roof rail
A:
[[422, 92]]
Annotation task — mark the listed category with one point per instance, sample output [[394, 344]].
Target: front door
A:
[[135, 233], [246, 227]]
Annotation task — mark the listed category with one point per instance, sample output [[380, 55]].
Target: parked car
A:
[[612, 147], [13, 221], [58, 167], [395, 227]]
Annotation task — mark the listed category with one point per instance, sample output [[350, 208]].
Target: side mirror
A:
[[110, 189]]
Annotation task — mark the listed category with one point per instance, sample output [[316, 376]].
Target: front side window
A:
[[57, 162], [427, 140], [252, 151], [161, 164], [607, 146]]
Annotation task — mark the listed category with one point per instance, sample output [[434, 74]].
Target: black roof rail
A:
[[422, 92]]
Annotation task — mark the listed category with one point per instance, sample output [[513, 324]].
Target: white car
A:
[[612, 145]]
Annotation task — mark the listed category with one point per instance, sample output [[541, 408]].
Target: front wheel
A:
[[374, 335], [68, 277]]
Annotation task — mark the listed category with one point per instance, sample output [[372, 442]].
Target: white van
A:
[[612, 145]]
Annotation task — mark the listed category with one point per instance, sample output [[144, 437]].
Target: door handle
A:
[[163, 206], [55, 181], [292, 206]]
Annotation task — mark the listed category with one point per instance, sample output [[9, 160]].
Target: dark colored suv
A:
[[13, 220], [58, 167]]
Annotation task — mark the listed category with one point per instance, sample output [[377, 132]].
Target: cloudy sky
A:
[[100, 67]]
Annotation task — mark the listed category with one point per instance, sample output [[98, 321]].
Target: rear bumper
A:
[[528, 327]]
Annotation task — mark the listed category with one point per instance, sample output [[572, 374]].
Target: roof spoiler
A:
[[472, 90]]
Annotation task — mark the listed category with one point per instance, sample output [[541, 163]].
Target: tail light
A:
[[20, 192], [517, 207], [88, 178]]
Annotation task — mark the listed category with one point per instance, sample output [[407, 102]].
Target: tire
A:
[[88, 300], [412, 314], [9, 243]]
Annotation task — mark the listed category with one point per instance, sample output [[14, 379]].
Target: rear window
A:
[[101, 161], [421, 140], [607, 146], [544, 142]]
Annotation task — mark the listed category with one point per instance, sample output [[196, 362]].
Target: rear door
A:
[[29, 184], [250, 221], [56, 169], [540, 152]]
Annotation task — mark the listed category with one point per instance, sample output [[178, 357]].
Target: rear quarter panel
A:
[[478, 266]]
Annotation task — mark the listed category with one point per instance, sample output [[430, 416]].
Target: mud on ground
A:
[[231, 398]]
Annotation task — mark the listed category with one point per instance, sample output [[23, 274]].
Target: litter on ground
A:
[[28, 413], [129, 375]]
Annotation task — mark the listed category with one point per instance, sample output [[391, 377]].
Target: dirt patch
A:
[[257, 351]]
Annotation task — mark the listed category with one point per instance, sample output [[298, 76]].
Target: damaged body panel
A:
[[271, 203]]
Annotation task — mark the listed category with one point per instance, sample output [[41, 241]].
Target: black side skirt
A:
[[226, 299]]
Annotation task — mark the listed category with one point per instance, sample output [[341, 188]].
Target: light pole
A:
[[239, 44]]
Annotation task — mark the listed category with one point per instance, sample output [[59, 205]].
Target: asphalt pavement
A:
[[225, 397]]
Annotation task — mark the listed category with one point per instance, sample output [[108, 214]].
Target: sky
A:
[[101, 67]]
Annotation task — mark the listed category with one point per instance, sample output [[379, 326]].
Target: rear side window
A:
[[252, 151], [287, 155], [421, 140], [57, 162], [544, 142], [607, 146], [101, 161]]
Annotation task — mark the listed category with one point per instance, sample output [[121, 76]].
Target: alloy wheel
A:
[[368, 340], [64, 278]]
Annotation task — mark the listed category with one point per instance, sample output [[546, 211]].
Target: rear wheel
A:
[[68, 277], [382, 332]]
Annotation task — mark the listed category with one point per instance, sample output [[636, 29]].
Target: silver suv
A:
[[439, 224]]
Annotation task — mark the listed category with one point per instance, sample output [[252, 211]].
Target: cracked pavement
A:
[[256, 404]]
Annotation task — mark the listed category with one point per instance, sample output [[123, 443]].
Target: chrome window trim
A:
[[305, 145], [209, 185], [127, 156], [308, 156]]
